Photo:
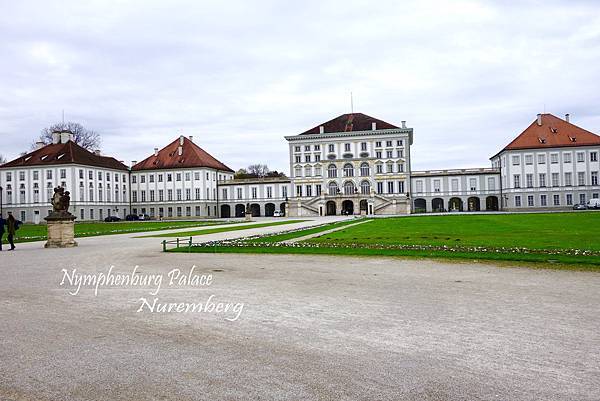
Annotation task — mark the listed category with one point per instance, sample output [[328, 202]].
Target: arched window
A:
[[318, 170], [348, 170], [365, 187], [332, 171], [349, 188], [333, 188], [307, 171], [364, 169]]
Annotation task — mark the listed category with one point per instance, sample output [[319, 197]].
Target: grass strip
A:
[[223, 229]]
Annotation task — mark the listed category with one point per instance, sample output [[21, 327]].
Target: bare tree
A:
[[84, 137], [259, 170], [2, 160]]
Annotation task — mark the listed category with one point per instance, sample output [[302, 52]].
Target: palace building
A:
[[350, 165], [353, 164]]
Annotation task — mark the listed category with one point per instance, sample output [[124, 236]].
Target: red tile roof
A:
[[192, 156], [554, 132], [64, 153], [349, 123]]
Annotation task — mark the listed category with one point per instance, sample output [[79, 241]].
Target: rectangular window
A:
[[567, 157], [581, 178], [142, 179], [331, 148], [298, 190], [517, 181], [491, 183], [346, 147], [378, 144], [380, 187], [419, 186], [178, 194], [239, 193], [388, 143], [473, 184], [554, 158], [529, 178], [542, 178], [556, 200], [400, 187], [593, 156], [543, 200], [188, 194], [580, 157], [530, 200], [569, 199], [594, 178], [437, 185], [581, 198], [568, 179], [169, 194], [518, 201], [390, 187], [63, 173], [254, 193], [317, 147], [284, 191], [363, 146], [528, 159], [318, 190], [516, 160], [309, 190], [454, 184], [555, 181], [542, 159], [269, 192]]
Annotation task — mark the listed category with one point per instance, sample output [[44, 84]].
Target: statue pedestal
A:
[[248, 216], [61, 231]]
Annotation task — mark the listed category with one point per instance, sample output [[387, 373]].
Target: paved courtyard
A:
[[311, 328]]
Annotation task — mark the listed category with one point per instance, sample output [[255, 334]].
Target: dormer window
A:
[[44, 157], [553, 130], [572, 139], [27, 158], [60, 156], [542, 140]]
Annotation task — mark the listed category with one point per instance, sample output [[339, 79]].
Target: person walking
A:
[[11, 228], [2, 224]]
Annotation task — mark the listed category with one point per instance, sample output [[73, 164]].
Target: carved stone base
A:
[[248, 216], [61, 233]]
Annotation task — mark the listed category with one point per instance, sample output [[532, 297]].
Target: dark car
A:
[[580, 206], [132, 217], [111, 219]]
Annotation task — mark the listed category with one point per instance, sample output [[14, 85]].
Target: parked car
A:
[[143, 217], [111, 219], [580, 206], [277, 213], [593, 203], [132, 217]]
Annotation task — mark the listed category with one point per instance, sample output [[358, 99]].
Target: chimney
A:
[[321, 129], [97, 152], [133, 163], [567, 116], [39, 144], [180, 150], [539, 120], [181, 140], [155, 151], [56, 137], [373, 126], [191, 138], [66, 136], [403, 124]]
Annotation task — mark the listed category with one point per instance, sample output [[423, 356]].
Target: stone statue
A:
[[61, 201], [61, 231]]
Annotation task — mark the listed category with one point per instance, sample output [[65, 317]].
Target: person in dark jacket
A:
[[2, 224], [11, 228]]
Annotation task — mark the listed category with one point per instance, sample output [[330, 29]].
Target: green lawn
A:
[[224, 229], [301, 233], [536, 230], [548, 237], [38, 232]]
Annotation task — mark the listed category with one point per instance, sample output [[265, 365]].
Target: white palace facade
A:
[[353, 164]]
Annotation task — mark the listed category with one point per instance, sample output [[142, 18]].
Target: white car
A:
[[277, 213], [593, 203]]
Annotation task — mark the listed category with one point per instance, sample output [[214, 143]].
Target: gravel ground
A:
[[311, 328]]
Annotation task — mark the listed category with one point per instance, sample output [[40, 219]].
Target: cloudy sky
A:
[[238, 75]]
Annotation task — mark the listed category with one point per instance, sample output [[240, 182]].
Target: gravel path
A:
[[312, 328]]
